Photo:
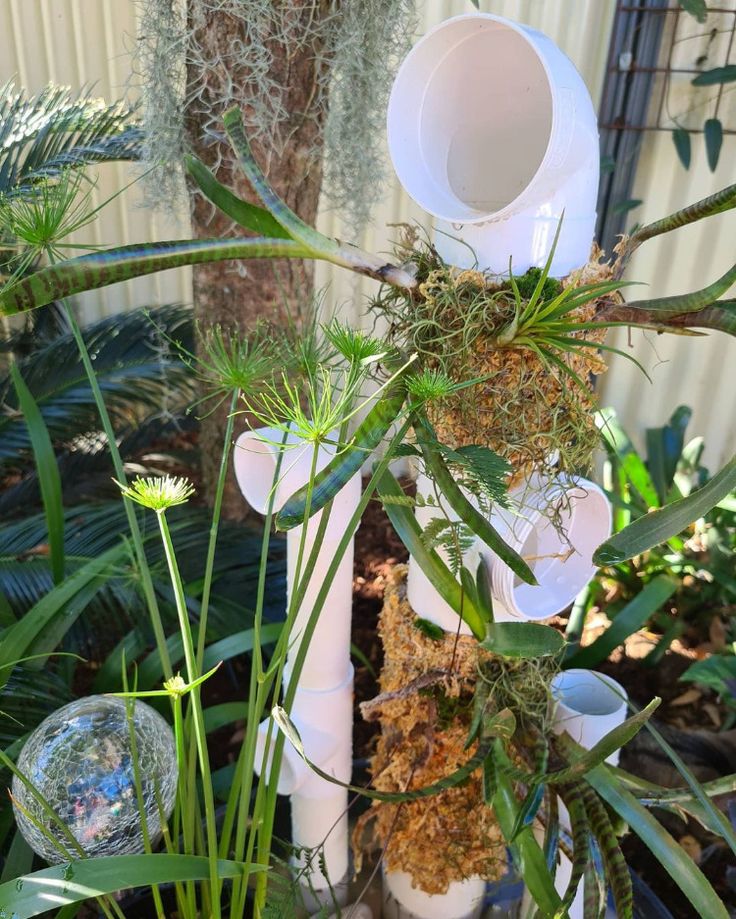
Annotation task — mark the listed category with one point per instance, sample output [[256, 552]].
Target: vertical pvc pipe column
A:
[[587, 706], [492, 130], [322, 710]]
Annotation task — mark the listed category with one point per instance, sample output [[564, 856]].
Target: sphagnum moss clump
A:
[[533, 402]]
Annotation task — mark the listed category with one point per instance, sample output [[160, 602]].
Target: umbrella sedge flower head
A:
[[158, 493]]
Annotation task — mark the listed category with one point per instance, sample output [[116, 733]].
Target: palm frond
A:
[[55, 129], [138, 370]]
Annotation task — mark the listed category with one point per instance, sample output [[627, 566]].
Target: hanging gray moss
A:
[[362, 41]]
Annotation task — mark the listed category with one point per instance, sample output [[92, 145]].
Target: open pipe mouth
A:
[[470, 118], [587, 693]]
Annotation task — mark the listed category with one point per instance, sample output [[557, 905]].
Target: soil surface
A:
[[689, 718]]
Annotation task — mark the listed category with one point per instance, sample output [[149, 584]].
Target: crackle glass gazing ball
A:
[[80, 760]]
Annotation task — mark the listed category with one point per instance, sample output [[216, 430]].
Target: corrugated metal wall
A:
[[81, 42], [696, 372], [88, 41]]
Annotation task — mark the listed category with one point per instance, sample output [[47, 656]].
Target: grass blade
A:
[[33, 894], [632, 617]]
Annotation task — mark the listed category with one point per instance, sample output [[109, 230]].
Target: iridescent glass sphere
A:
[[80, 759]]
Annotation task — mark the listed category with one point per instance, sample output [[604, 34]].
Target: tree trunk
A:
[[236, 294]]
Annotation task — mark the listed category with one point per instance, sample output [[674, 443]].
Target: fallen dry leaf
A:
[[690, 695]]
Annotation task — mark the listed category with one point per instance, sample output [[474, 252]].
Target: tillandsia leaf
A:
[[617, 871], [660, 525], [47, 469], [573, 798], [672, 857], [318, 245], [32, 894], [717, 821], [594, 881], [723, 200], [347, 462], [405, 524], [528, 810], [687, 303], [628, 620], [286, 725], [248, 216], [527, 853], [100, 269], [586, 760], [472, 518], [523, 640]]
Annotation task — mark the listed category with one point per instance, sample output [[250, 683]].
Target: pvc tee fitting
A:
[[492, 130], [562, 564], [256, 458]]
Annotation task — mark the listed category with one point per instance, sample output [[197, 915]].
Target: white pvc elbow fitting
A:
[[255, 458], [492, 130], [562, 564]]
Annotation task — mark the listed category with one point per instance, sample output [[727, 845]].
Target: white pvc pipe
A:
[[255, 458], [492, 130], [401, 900], [322, 710], [587, 705], [562, 564]]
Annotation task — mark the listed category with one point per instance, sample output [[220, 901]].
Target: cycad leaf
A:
[[54, 129]]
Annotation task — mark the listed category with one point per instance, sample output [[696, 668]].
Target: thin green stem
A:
[[271, 775], [140, 552], [214, 527], [198, 716]]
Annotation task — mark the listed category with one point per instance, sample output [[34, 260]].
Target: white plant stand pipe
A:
[[587, 706], [492, 130], [464, 899], [322, 709]]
